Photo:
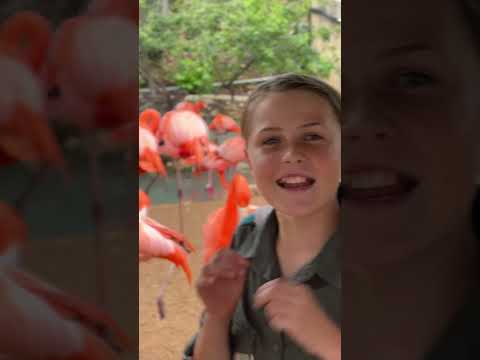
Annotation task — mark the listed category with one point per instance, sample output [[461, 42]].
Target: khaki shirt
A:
[[250, 335]]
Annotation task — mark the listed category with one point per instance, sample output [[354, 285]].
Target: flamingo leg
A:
[[179, 181], [171, 270], [209, 187], [152, 182], [163, 288]]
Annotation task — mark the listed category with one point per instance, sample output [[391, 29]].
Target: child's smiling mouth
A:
[[376, 185], [295, 182]]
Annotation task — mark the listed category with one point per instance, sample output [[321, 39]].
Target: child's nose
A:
[[362, 125], [293, 155]]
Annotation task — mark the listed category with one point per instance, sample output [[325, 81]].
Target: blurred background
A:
[[80, 220]]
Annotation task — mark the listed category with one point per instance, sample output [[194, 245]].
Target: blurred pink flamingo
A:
[[149, 160], [26, 37], [223, 123], [97, 79], [225, 156], [158, 241], [221, 224], [71, 329], [196, 107], [24, 131]]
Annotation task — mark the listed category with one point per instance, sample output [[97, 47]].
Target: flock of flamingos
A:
[[183, 135], [78, 74]]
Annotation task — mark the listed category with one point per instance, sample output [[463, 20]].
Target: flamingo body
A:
[[221, 224], [223, 123]]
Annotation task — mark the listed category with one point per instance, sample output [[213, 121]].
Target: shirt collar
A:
[[264, 259]]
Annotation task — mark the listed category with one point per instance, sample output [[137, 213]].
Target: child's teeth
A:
[[294, 180], [370, 180]]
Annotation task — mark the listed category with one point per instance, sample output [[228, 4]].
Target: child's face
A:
[[294, 152], [411, 128]]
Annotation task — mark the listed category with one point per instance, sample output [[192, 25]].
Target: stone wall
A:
[[215, 103]]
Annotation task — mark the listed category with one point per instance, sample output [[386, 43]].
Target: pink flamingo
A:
[[25, 134], [97, 75], [186, 131], [184, 135], [144, 204], [223, 123], [233, 150], [97, 78], [24, 131], [60, 337], [150, 119], [227, 155], [26, 36], [221, 224], [149, 159], [196, 107], [158, 241], [69, 326]]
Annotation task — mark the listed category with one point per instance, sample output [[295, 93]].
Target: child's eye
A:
[[313, 137], [411, 80], [271, 141]]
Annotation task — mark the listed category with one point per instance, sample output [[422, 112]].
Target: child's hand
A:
[[221, 283], [292, 308]]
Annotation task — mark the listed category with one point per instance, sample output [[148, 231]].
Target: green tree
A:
[[200, 42]]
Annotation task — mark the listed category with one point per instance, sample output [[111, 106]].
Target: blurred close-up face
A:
[[410, 129], [294, 151]]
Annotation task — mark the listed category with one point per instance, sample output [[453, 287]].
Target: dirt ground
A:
[[165, 339]]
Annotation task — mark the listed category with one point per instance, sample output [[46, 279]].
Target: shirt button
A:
[[276, 347]]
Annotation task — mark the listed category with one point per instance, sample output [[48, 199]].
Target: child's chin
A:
[[296, 211]]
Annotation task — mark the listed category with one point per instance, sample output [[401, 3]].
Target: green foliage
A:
[[201, 42], [325, 33]]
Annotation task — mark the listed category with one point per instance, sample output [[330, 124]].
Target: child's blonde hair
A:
[[289, 82]]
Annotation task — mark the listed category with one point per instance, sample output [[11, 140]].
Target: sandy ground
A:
[[165, 339]]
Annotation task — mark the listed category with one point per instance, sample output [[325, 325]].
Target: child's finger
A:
[[263, 297], [229, 257], [231, 273], [268, 284], [225, 268], [278, 289], [277, 322]]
